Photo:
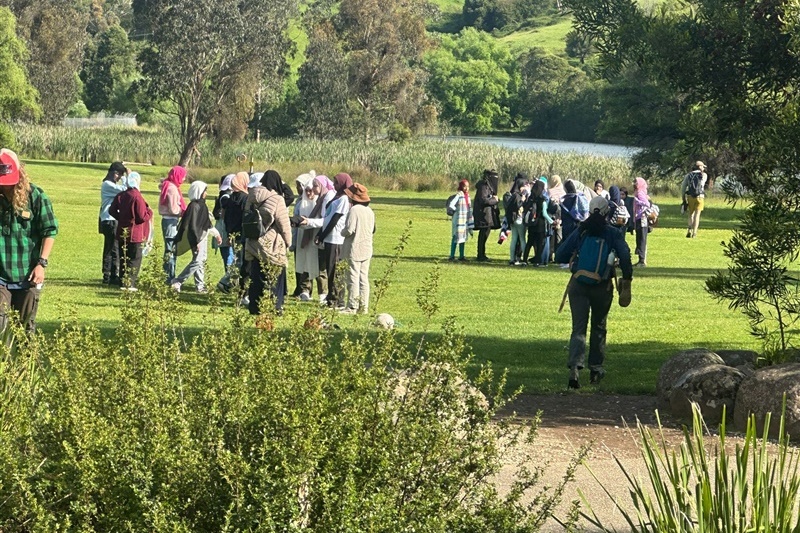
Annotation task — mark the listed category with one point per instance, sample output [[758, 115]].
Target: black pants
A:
[[333, 254], [131, 260], [110, 250], [260, 279], [483, 236], [586, 300], [23, 301], [641, 241]]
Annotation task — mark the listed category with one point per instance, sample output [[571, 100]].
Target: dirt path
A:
[[609, 422]]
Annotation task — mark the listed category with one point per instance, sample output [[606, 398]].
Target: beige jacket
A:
[[358, 229], [274, 215]]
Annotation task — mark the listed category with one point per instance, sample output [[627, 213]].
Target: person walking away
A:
[[462, 222], [484, 211], [574, 208], [693, 196], [134, 218], [618, 215], [267, 255], [591, 251], [171, 206], [29, 230], [515, 218], [107, 226], [556, 190], [641, 201], [359, 228], [225, 249], [193, 229]]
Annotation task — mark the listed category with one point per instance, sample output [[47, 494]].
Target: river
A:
[[549, 145]]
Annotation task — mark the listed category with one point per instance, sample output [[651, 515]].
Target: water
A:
[[549, 145]]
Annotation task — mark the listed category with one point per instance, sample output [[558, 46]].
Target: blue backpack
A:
[[592, 260]]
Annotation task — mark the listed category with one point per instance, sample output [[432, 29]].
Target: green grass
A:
[[550, 38], [508, 313]]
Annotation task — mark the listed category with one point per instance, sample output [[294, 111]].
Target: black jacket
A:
[[484, 207]]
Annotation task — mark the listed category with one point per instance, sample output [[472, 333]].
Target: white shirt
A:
[[341, 206]]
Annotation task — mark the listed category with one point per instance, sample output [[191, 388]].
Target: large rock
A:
[[737, 358], [677, 365], [762, 393], [712, 387]]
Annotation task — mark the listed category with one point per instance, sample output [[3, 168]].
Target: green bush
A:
[[233, 428], [689, 490]]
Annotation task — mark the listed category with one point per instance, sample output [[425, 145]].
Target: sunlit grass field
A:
[[509, 313]]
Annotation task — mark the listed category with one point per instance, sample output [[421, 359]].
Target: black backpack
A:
[[252, 222], [694, 183], [450, 210]]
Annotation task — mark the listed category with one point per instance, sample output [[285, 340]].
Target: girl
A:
[[641, 201], [358, 229], [306, 263], [461, 227], [133, 217], [515, 216], [171, 206], [195, 226]]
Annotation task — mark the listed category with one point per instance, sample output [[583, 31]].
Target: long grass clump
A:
[[420, 165]]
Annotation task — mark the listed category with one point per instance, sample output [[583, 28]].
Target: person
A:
[[358, 230], [134, 219], [193, 229], [29, 230], [693, 196], [590, 297], [574, 208], [484, 210], [110, 188], [618, 215], [267, 255], [641, 201], [226, 251], [627, 201], [462, 224], [325, 192], [303, 207], [557, 192], [515, 202], [307, 262], [600, 189], [232, 211], [171, 206], [539, 229]]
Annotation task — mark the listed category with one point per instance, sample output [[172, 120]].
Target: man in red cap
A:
[[27, 231]]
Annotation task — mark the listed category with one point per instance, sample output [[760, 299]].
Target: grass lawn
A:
[[509, 313], [550, 38]]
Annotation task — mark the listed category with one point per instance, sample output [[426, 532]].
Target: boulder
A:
[[711, 387], [763, 392], [737, 358], [678, 365]]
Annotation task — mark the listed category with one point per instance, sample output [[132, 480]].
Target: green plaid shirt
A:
[[21, 235]]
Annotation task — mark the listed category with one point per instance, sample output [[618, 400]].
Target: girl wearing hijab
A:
[[111, 187], [617, 212], [306, 254], [539, 228], [463, 223], [232, 209], [574, 208], [193, 229], [133, 217], [331, 236], [171, 206], [225, 249], [641, 201], [323, 191], [515, 217], [556, 190]]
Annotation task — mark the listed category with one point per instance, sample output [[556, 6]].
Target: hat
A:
[[255, 180], [699, 165], [118, 167], [9, 167], [357, 193], [598, 205]]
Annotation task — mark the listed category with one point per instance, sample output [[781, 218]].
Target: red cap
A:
[[9, 167]]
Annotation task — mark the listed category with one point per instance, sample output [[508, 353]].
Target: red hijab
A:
[[462, 186], [176, 176], [342, 182]]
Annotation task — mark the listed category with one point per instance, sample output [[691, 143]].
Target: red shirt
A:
[[132, 212]]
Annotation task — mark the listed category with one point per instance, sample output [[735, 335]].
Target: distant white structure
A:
[[100, 120]]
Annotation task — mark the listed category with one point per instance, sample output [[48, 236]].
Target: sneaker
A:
[[223, 288], [202, 290], [451, 259], [245, 301], [304, 297], [323, 298], [574, 384], [133, 289], [176, 286], [596, 375], [689, 234], [640, 264], [347, 310], [462, 259]]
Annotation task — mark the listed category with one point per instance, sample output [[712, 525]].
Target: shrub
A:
[[236, 429]]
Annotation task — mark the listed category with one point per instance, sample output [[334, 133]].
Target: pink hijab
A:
[[641, 190], [176, 176]]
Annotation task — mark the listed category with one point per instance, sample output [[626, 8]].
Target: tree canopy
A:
[[17, 96]]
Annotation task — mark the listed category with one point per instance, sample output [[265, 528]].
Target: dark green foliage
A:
[[235, 429], [17, 96], [489, 15], [108, 71]]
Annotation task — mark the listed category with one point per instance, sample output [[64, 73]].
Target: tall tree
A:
[[108, 69], [17, 95], [197, 50]]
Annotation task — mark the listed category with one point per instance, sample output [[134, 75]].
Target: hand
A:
[[37, 276], [317, 241], [219, 240], [303, 221]]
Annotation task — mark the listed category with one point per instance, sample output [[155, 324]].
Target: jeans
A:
[[130, 260], [517, 236], [586, 300], [169, 228], [641, 241], [196, 266]]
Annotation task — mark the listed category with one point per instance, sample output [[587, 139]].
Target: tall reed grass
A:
[[421, 165]]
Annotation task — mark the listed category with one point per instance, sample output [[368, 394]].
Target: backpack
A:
[[694, 183], [592, 260], [652, 213], [449, 206], [252, 223]]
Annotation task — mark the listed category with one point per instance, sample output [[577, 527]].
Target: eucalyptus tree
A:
[[201, 52], [17, 96]]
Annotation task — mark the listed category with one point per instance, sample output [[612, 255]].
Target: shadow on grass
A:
[[425, 203]]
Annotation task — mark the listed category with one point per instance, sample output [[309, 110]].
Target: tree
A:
[[108, 70], [473, 77], [17, 95], [199, 52]]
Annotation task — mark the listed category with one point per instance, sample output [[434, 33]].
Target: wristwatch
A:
[[42, 261]]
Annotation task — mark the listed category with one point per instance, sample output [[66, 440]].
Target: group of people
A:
[[251, 227]]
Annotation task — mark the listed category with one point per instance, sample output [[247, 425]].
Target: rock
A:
[[762, 393], [678, 365], [737, 358], [711, 387]]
